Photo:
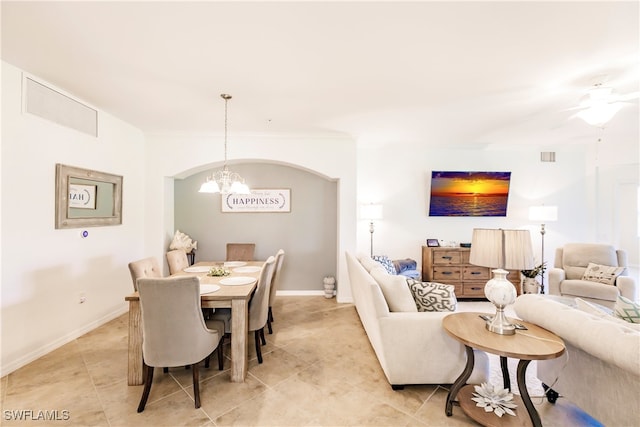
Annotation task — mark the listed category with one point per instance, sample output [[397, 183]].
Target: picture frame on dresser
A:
[[432, 243]]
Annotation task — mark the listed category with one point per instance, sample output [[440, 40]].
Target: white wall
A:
[[181, 156], [399, 176], [44, 270]]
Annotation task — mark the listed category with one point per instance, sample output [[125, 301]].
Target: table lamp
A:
[[371, 212], [501, 250]]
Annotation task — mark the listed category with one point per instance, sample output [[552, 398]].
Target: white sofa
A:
[[412, 347], [600, 371]]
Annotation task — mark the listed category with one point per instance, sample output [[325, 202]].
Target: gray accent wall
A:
[[307, 234]]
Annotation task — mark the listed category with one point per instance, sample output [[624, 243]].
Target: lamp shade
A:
[[505, 249], [543, 213], [371, 211]]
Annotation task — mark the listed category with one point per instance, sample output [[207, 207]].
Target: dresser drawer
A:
[[472, 272], [471, 289], [447, 273], [446, 257]]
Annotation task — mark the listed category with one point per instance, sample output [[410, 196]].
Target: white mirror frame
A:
[[63, 175]]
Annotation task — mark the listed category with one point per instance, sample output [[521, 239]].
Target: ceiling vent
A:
[[548, 156], [52, 105]]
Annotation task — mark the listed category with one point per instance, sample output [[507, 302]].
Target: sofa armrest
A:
[[417, 346], [556, 276], [605, 339], [627, 287]]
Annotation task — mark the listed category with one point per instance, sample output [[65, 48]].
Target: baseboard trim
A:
[[36, 354], [299, 293]]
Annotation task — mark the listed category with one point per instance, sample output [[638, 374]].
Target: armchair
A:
[[571, 261]]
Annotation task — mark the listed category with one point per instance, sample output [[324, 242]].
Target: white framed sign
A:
[[260, 200], [82, 196]]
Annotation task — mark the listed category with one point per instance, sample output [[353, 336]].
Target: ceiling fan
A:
[[601, 104]]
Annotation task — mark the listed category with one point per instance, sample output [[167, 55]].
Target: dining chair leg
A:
[[206, 361], [270, 320], [147, 388], [165, 370], [258, 350], [220, 356], [264, 341], [196, 384]]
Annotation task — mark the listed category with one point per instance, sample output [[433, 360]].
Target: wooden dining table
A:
[[234, 296]]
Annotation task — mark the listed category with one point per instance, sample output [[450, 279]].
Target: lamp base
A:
[[500, 324], [501, 293]]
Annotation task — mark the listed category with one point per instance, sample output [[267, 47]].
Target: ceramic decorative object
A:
[[329, 286], [183, 241], [494, 399], [530, 286]]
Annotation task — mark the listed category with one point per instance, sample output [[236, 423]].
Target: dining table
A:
[[230, 291]]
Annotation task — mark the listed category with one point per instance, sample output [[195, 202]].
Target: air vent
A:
[[547, 156], [52, 105]]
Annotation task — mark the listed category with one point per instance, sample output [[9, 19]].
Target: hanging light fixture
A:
[[225, 181]]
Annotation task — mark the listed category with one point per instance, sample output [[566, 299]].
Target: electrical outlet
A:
[[83, 298]]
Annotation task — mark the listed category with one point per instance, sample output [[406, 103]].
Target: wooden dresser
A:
[[451, 266]]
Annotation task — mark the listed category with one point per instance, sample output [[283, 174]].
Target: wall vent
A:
[[547, 156], [52, 105]]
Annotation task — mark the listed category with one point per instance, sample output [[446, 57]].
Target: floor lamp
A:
[[543, 214], [371, 212]]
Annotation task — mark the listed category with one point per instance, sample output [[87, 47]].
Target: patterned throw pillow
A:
[[627, 310], [386, 263], [602, 273], [431, 296]]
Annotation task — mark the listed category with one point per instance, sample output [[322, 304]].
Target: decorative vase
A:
[[329, 286], [530, 285]]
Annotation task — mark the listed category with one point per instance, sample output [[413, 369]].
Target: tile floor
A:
[[318, 370]]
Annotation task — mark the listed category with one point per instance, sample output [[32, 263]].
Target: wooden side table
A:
[[534, 343]]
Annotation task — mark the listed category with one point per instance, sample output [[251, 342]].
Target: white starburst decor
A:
[[494, 399]]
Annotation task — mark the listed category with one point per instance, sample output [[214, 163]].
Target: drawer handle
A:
[[476, 272], [447, 257], [476, 289], [447, 273]]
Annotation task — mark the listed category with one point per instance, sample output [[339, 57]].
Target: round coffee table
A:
[[534, 343]]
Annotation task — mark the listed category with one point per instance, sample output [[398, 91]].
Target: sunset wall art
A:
[[469, 193]]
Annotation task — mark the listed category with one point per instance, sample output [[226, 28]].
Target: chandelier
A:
[[225, 181]]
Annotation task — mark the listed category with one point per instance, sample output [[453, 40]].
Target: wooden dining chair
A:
[[177, 260], [173, 330], [147, 267], [240, 251], [274, 286]]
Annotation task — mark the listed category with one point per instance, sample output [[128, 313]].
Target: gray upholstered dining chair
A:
[[258, 307], [177, 260], [147, 267], [240, 251], [274, 286], [173, 329]]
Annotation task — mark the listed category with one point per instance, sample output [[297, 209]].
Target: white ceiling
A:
[[427, 72]]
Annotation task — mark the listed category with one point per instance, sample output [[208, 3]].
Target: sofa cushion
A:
[[430, 296], [386, 263], [627, 310], [603, 313], [602, 273], [395, 290], [577, 256], [367, 262]]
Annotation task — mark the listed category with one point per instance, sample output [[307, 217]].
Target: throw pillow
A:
[[386, 263], [602, 273], [627, 310], [395, 291], [430, 296]]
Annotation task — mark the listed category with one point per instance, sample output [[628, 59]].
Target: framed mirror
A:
[[87, 198]]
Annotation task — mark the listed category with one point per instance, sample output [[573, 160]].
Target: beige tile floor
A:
[[318, 370]]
